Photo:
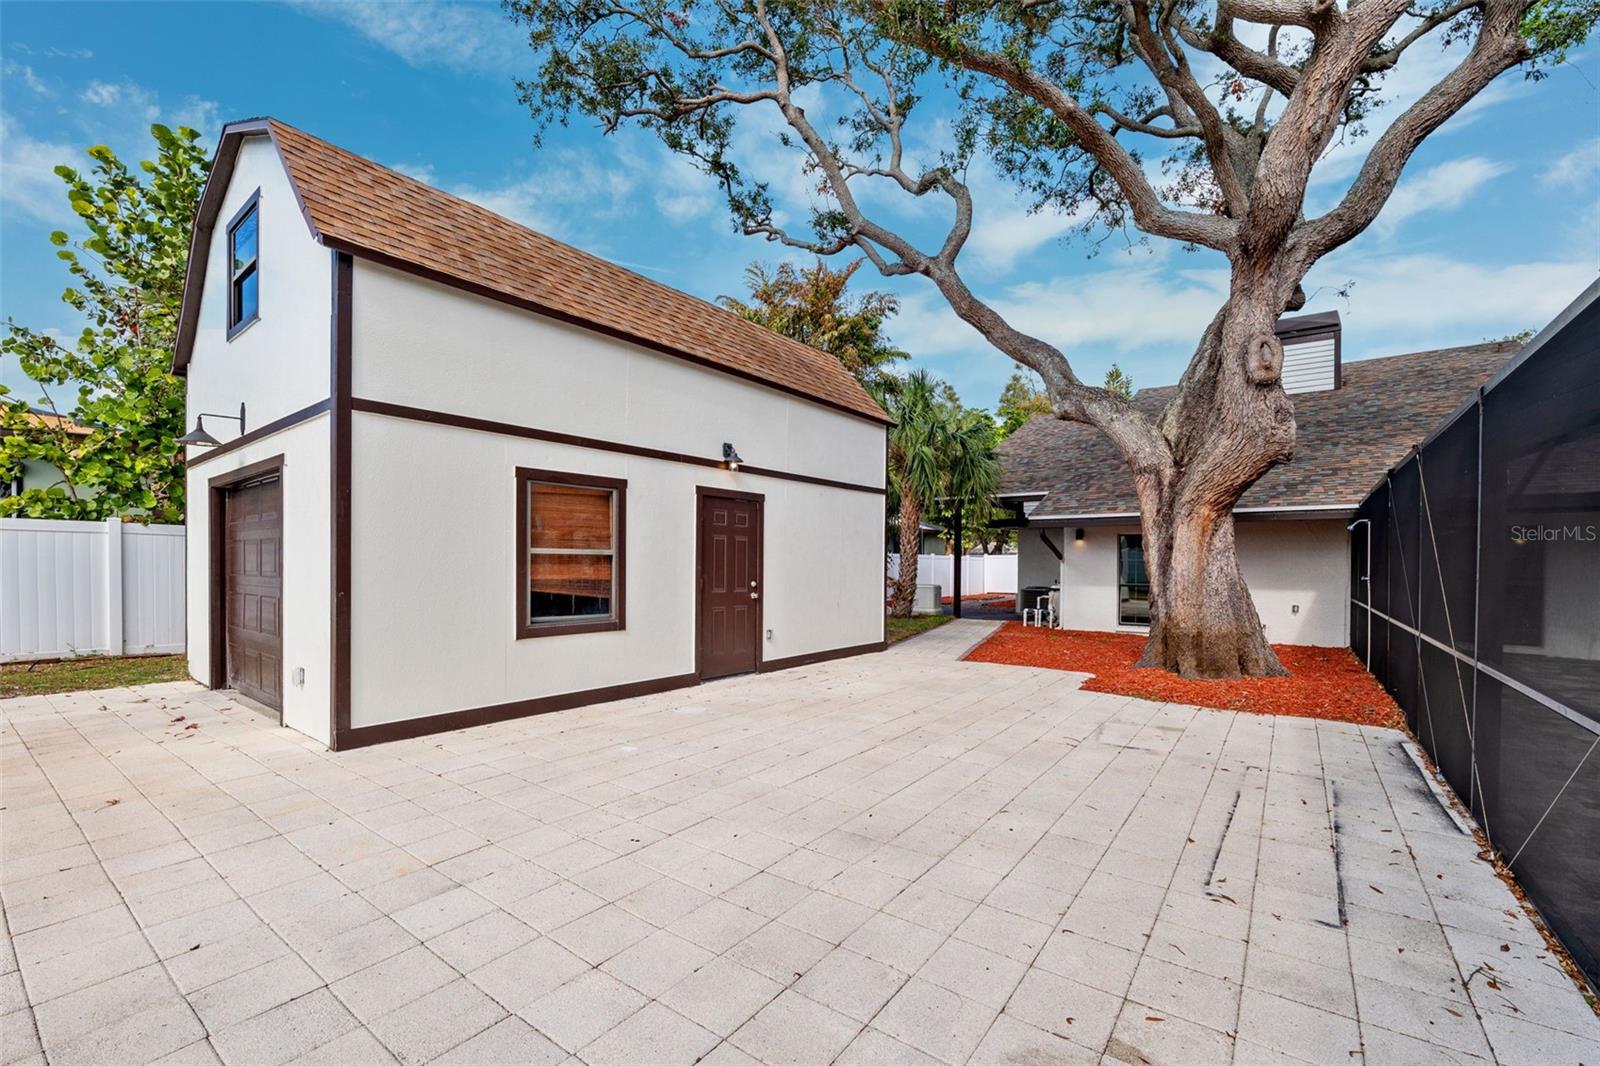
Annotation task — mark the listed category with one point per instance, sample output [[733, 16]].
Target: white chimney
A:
[[1310, 352]]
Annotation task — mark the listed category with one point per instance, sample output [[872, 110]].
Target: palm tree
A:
[[938, 451]]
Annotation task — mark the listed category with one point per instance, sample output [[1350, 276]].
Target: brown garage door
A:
[[253, 594]]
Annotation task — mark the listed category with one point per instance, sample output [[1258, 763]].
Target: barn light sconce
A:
[[730, 456], [200, 438], [1078, 533]]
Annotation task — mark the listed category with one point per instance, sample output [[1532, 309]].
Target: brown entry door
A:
[[729, 623], [253, 595]]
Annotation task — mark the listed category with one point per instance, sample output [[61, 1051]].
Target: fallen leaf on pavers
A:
[[1376, 889], [192, 725], [111, 803], [1154, 1018], [1452, 1010], [178, 719]]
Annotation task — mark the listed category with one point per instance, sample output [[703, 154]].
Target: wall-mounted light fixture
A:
[[200, 438], [730, 456], [1078, 535]]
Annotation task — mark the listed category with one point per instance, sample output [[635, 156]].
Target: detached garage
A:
[[446, 470]]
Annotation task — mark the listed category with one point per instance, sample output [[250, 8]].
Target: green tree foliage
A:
[[939, 452], [1022, 398], [1118, 382], [127, 288], [810, 304]]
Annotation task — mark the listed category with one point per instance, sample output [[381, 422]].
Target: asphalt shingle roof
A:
[[1346, 438]]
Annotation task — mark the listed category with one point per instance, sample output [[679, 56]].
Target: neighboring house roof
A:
[[1346, 439], [355, 205], [35, 418]]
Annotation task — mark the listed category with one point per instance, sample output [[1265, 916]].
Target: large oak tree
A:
[[1075, 101]]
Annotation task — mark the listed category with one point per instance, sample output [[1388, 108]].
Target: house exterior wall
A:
[[434, 602], [430, 346], [280, 364], [305, 606], [1286, 564]]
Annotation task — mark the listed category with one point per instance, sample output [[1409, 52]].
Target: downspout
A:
[[1367, 579]]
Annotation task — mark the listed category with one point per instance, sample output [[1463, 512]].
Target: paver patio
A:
[[897, 858]]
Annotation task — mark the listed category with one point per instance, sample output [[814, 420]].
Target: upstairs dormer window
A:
[[244, 267]]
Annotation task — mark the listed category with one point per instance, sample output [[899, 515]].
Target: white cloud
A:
[[27, 179], [1576, 169], [29, 77], [135, 105], [1121, 306], [102, 94], [121, 116], [1440, 188], [465, 36], [682, 192], [1406, 303]]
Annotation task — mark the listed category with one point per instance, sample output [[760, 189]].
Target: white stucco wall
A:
[[1287, 564], [434, 507], [280, 364], [306, 554], [426, 345]]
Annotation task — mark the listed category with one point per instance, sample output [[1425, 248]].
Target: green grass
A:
[[81, 675], [903, 628]]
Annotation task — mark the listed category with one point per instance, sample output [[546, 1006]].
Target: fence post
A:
[[113, 589]]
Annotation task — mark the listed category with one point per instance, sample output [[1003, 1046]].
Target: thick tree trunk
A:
[[905, 586], [1231, 424], [1203, 622]]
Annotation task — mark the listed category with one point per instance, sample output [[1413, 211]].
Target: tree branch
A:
[[1498, 48]]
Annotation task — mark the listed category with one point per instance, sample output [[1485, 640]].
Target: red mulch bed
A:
[[1327, 683]]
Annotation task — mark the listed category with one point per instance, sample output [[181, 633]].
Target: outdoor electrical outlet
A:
[[769, 634], [299, 677]]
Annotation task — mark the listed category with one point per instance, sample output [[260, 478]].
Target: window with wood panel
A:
[[569, 550]]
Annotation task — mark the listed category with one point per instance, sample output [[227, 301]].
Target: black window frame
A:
[[1122, 538], [237, 324], [527, 626]]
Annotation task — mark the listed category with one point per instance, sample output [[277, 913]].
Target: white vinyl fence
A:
[[89, 588], [979, 573]]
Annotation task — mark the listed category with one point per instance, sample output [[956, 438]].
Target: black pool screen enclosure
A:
[[1475, 600]]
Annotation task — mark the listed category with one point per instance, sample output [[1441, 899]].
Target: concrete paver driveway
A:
[[898, 858]]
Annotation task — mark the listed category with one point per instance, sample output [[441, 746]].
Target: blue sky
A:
[[1495, 227]]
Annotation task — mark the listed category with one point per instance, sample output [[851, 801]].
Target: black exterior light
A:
[[730, 456], [199, 438], [1079, 534]]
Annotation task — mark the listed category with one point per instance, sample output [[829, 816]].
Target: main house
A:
[[460, 472], [1071, 496]]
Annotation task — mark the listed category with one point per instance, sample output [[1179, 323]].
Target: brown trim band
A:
[[484, 425], [362, 736], [339, 460], [428, 725], [277, 425], [591, 325], [809, 658]]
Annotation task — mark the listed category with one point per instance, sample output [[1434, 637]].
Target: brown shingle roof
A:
[[1346, 438], [358, 206]]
